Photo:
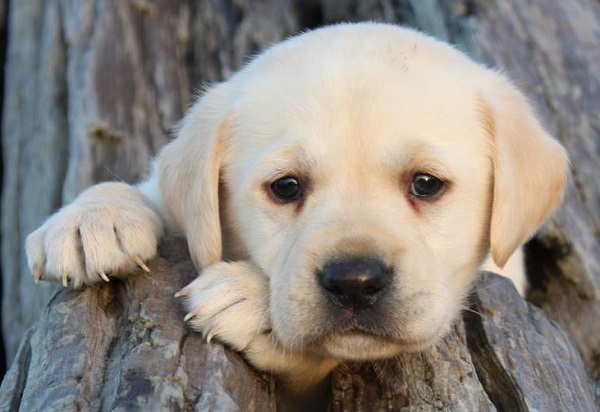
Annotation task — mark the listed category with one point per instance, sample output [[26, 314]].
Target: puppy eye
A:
[[425, 185], [287, 189]]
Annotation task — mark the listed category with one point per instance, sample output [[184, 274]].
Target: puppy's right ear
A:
[[188, 172], [530, 168]]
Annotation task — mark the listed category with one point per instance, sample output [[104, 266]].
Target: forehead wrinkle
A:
[[427, 157], [283, 159]]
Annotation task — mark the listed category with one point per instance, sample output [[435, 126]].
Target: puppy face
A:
[[366, 170]]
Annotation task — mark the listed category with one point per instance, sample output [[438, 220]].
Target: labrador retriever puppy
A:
[[338, 196]]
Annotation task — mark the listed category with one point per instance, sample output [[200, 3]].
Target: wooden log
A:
[[92, 90], [124, 346], [551, 51], [503, 355]]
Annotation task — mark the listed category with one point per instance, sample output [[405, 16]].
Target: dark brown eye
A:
[[287, 189], [424, 185]]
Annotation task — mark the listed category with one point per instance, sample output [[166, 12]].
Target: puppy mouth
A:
[[360, 343], [365, 338]]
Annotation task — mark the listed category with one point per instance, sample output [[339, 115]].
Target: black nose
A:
[[355, 282]]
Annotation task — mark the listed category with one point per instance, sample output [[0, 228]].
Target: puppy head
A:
[[368, 170]]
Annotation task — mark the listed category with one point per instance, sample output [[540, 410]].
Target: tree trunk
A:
[[123, 346], [94, 88]]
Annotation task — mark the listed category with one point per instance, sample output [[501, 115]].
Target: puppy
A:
[[338, 196]]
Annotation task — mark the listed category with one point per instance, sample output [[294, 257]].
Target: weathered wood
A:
[[504, 355], [3, 21], [93, 89], [124, 346], [552, 51], [523, 358]]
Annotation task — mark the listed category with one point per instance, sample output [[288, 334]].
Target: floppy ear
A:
[[188, 173], [530, 169]]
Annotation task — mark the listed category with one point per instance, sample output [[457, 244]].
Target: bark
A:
[[503, 355], [551, 50], [123, 346], [93, 89], [3, 20]]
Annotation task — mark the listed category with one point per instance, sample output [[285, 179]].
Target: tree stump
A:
[[124, 346], [94, 88]]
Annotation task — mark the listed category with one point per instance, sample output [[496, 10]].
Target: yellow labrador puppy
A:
[[338, 196]]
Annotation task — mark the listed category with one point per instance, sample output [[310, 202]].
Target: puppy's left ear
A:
[[530, 168], [189, 169]]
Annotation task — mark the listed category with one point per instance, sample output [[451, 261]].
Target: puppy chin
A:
[[358, 346]]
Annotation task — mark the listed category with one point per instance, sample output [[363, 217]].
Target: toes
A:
[[210, 302], [237, 326], [232, 308], [85, 241], [137, 237], [36, 258]]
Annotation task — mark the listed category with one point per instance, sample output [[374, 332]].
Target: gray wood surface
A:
[[552, 51], [94, 88], [504, 355], [124, 346]]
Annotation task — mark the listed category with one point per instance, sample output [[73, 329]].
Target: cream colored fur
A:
[[354, 111]]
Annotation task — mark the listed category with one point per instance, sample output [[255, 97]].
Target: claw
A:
[[181, 293], [141, 263], [65, 280], [38, 274], [209, 334], [188, 317], [104, 277]]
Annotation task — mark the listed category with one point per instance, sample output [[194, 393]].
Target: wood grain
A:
[[94, 88]]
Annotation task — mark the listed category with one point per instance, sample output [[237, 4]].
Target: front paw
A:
[[108, 230], [229, 302]]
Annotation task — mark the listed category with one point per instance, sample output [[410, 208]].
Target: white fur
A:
[[355, 110]]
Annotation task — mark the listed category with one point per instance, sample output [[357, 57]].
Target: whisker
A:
[[468, 309]]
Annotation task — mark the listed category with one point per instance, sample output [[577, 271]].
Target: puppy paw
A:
[[108, 230], [229, 302]]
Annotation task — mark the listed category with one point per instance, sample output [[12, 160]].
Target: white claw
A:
[[65, 280], [141, 264], [180, 293], [188, 317], [208, 335], [104, 277]]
